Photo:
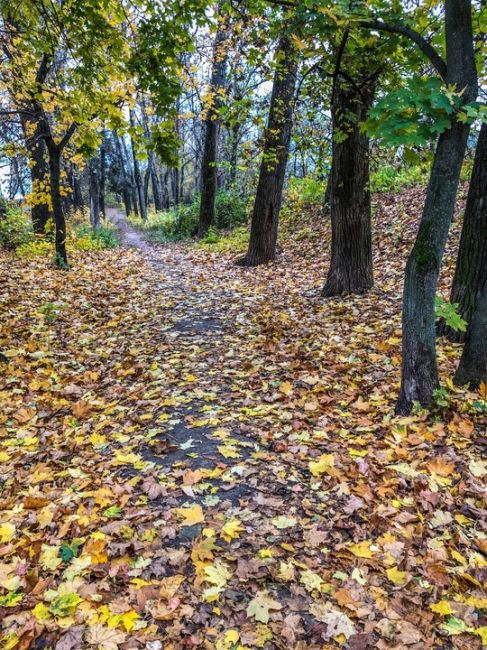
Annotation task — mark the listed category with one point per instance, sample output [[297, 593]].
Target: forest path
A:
[[199, 455], [199, 320]]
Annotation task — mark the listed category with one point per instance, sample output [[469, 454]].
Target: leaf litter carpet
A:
[[195, 455]]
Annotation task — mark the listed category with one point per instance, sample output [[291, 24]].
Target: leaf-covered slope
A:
[[199, 455]]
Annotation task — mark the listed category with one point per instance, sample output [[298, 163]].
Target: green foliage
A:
[[231, 209], [302, 194], [15, 229], [212, 236], [235, 241], [447, 311], [388, 178], [181, 222], [414, 114], [102, 238]]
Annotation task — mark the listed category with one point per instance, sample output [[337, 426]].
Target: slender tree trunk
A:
[[95, 207], [124, 179], [57, 204], [131, 176], [351, 246], [138, 176], [39, 170], [138, 184], [103, 166], [175, 185], [419, 369], [471, 268], [234, 142], [265, 217]]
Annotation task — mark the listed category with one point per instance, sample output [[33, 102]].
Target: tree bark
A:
[[103, 170], [471, 267], [212, 128], [351, 245], [138, 176], [472, 369], [265, 216], [95, 207], [57, 203], [419, 369], [39, 170]]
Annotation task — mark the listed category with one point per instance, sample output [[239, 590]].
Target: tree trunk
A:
[[103, 165], [471, 268], [57, 204], [472, 369], [138, 176], [351, 245], [265, 217], [419, 370], [95, 207], [124, 179], [156, 191], [39, 170]]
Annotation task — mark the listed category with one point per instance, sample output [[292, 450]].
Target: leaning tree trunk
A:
[[263, 232], [419, 370], [471, 268], [212, 128], [39, 170], [351, 244], [472, 369]]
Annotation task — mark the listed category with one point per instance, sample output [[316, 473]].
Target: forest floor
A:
[[198, 455]]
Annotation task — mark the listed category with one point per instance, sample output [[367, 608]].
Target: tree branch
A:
[[425, 47]]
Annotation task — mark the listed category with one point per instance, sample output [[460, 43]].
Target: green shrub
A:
[[84, 238], [39, 247], [15, 229], [309, 191], [181, 222], [388, 178], [230, 209]]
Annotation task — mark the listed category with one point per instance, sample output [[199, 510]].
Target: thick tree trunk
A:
[[265, 217], [39, 170], [351, 245], [57, 205], [471, 268], [95, 207], [419, 370], [472, 369]]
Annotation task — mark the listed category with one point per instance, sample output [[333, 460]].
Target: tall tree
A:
[[419, 377], [471, 266], [267, 204], [351, 248], [214, 101]]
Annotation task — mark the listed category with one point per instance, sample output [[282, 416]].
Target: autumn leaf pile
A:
[[196, 455]]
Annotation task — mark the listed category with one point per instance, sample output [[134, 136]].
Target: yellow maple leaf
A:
[[228, 451], [191, 515], [396, 576], [231, 530], [322, 465], [49, 557], [361, 549], [7, 531], [442, 607]]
